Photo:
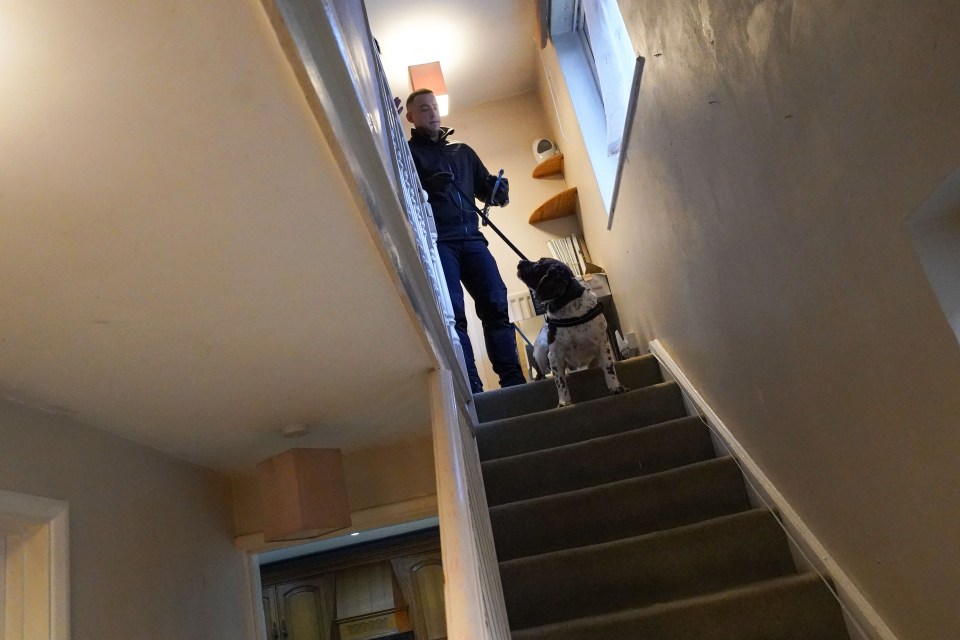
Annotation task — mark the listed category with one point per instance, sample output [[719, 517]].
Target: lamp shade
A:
[[430, 76], [303, 494]]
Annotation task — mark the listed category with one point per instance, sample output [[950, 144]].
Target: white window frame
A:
[[581, 77], [934, 229]]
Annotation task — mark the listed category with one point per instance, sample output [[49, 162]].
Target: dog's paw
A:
[[561, 405], [618, 390]]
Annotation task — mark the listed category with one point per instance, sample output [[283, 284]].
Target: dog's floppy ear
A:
[[554, 271], [554, 282]]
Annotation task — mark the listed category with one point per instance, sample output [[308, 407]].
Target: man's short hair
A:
[[418, 92]]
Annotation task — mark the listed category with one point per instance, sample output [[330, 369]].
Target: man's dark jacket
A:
[[456, 217]]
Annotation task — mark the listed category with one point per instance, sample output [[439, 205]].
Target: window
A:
[[611, 60], [602, 74], [935, 231]]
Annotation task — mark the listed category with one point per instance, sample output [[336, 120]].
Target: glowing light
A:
[[430, 76]]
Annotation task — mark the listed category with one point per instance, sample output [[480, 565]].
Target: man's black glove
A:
[[438, 182], [502, 197]]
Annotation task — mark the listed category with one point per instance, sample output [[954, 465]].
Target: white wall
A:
[[502, 133], [151, 544], [778, 148]]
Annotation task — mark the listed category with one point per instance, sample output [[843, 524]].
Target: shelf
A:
[[559, 206], [549, 167]]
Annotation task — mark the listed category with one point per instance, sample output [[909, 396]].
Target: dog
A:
[[575, 333]]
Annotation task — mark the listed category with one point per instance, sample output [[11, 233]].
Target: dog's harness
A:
[[556, 323], [573, 322]]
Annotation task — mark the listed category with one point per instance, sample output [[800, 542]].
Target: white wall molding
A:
[[858, 610], [256, 623], [36, 595], [362, 520]]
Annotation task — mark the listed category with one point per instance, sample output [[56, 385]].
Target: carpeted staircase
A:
[[613, 519]]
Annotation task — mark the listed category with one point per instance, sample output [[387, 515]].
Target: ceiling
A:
[[486, 50], [181, 262]]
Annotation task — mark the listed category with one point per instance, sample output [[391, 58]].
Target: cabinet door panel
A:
[[421, 578], [428, 586], [270, 620], [305, 613]]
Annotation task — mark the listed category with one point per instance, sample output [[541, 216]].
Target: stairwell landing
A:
[[614, 519]]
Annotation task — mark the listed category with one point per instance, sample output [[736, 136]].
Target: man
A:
[[453, 175]]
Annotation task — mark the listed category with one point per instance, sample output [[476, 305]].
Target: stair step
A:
[[541, 395], [618, 510], [658, 567], [651, 449], [579, 422], [796, 607]]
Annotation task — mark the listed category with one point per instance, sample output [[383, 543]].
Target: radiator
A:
[[520, 304]]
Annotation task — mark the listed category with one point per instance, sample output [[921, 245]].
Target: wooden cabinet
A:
[[421, 580], [368, 603], [299, 610], [271, 620], [386, 589]]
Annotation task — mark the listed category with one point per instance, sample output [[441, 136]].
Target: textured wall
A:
[[778, 147], [151, 545]]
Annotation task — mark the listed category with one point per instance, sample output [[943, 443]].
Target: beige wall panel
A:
[[151, 547], [392, 473]]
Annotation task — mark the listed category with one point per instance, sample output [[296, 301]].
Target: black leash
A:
[[483, 214], [539, 307]]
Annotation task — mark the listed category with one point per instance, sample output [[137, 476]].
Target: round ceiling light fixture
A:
[[294, 430]]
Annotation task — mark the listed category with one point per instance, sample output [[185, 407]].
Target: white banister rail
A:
[[333, 54], [474, 596]]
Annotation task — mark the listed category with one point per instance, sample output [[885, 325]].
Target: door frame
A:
[[35, 578]]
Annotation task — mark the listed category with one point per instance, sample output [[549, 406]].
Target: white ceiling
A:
[[486, 49], [180, 261]]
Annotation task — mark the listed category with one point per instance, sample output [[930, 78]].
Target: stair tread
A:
[[540, 395], [662, 565], [664, 500], [617, 515], [712, 616], [630, 454], [579, 422], [590, 441], [614, 485], [678, 531]]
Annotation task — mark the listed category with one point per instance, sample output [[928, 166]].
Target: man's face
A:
[[424, 114]]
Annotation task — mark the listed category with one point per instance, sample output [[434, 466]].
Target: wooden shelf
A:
[[559, 206], [549, 167]]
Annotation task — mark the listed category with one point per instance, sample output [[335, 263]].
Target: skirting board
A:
[[858, 610]]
